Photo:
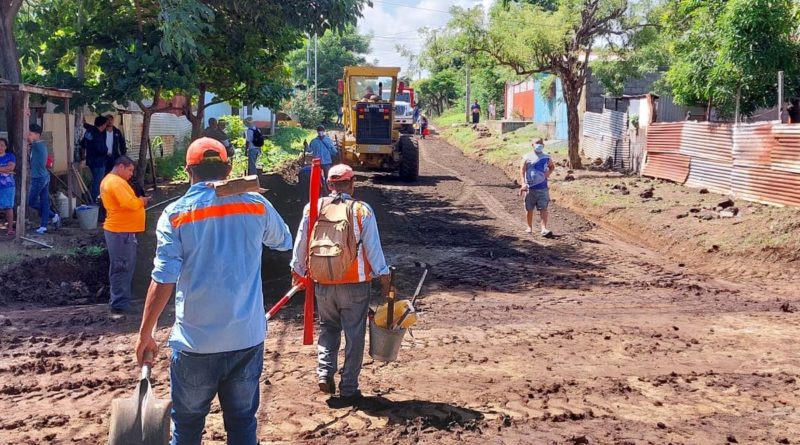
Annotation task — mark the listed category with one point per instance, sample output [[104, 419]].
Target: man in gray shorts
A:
[[536, 169]]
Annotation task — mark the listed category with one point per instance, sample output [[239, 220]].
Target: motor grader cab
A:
[[370, 138]]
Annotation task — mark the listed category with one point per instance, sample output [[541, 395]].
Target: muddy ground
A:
[[579, 339]]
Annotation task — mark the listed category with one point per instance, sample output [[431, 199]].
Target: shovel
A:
[[142, 419]]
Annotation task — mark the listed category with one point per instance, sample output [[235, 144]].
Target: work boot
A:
[[327, 385], [345, 401]]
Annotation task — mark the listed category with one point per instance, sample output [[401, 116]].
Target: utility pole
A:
[[315, 67], [467, 93], [308, 61]]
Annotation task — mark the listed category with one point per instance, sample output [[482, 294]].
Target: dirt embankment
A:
[[720, 234], [75, 279]]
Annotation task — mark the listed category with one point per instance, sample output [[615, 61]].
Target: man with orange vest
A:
[[342, 299]]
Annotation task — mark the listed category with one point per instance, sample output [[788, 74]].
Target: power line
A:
[[411, 7]]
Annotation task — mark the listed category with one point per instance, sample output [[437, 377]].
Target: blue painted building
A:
[[525, 101]]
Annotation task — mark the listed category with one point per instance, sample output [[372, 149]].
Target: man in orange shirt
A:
[[124, 219]]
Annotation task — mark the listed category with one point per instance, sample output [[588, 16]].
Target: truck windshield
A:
[[364, 88], [405, 96]]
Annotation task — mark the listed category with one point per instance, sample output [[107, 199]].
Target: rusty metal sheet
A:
[[706, 140], [765, 185], [664, 137], [752, 144], [785, 156], [712, 175], [672, 166]]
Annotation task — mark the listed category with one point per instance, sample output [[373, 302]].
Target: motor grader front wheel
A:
[[409, 158]]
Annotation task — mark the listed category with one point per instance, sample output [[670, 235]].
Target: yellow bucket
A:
[[404, 315]]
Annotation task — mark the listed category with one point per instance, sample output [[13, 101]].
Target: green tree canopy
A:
[[710, 50], [335, 50]]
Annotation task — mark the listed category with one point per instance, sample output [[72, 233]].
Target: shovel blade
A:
[[140, 420]]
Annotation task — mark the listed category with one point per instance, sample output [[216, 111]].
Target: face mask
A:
[[538, 147], [321, 134]]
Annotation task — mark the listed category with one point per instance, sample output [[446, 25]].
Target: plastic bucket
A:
[[384, 344], [87, 217]]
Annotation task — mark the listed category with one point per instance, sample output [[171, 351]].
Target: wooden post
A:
[[23, 191], [738, 102], [780, 96], [70, 160]]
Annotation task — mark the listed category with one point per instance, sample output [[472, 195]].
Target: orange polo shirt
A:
[[124, 211]]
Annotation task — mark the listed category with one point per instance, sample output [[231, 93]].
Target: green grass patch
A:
[[496, 149], [92, 251], [450, 117], [9, 258]]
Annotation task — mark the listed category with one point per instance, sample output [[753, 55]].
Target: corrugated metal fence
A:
[[605, 136], [756, 162]]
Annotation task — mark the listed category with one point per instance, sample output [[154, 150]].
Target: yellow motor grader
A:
[[370, 138]]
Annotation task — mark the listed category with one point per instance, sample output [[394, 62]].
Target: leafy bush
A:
[[302, 108], [234, 128], [172, 167]]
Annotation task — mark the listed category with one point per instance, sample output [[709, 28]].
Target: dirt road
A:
[[579, 339]]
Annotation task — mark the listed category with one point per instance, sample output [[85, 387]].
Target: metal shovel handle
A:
[[148, 357]]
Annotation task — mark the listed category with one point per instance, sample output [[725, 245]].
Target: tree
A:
[[438, 92], [302, 108], [751, 41], [557, 38], [10, 69], [335, 50], [149, 50], [710, 50], [412, 67]]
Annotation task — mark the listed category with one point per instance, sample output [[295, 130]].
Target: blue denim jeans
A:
[[232, 376], [252, 158], [39, 199], [98, 173]]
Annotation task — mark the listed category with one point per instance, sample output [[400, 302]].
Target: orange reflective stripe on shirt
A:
[[217, 211]]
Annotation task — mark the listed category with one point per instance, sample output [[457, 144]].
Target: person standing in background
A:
[[115, 143], [39, 198], [255, 140], [124, 219], [8, 187], [492, 111], [536, 170], [476, 112], [94, 142]]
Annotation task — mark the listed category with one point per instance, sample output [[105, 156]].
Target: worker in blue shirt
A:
[[322, 147], [209, 252]]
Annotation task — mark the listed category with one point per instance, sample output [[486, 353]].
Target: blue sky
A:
[[397, 21]]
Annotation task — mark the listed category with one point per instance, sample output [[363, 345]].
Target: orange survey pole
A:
[[313, 211]]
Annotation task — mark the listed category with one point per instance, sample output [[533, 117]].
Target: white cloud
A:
[[393, 24]]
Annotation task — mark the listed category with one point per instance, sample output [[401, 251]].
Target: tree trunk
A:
[[572, 90], [10, 70], [144, 144], [197, 119]]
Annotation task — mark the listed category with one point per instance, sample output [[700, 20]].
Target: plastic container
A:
[[63, 205], [404, 314], [384, 344], [87, 217]]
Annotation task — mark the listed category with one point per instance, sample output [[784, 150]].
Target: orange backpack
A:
[[332, 246]]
